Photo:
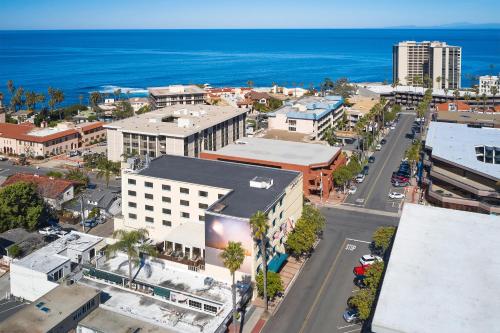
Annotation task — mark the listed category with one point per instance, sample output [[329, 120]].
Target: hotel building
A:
[[486, 82], [165, 96], [179, 130], [440, 62], [463, 166], [309, 115], [193, 207]]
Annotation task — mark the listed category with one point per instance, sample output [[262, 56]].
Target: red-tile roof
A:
[[48, 187], [20, 132], [91, 126], [256, 96], [453, 106]]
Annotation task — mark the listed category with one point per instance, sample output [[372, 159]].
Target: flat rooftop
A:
[[54, 255], [491, 119], [102, 320], [442, 274], [242, 200], [456, 144], [362, 104], [61, 302], [175, 90], [280, 151], [309, 107], [177, 120]]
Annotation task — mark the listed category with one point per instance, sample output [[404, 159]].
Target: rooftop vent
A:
[[261, 182]]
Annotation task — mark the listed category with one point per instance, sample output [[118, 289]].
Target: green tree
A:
[[363, 301], [413, 154], [382, 238], [95, 99], [95, 212], [106, 169], [330, 136], [301, 240], [132, 243], [21, 207], [250, 83], [313, 217], [144, 109], [232, 257], [260, 225], [269, 285], [494, 92], [55, 174], [373, 275], [14, 251], [341, 176], [117, 93], [78, 176]]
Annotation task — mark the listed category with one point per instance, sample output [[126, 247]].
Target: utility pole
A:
[[82, 212]]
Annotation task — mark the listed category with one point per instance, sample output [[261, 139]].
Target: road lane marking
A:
[[320, 292], [383, 166], [357, 240]]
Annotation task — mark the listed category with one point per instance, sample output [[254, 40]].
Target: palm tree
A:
[[395, 83], [494, 92], [484, 98], [260, 225], [438, 80], [77, 176], [456, 94], [232, 257], [132, 243], [106, 169], [117, 93], [95, 98]]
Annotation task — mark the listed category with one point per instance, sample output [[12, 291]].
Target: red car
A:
[[360, 270]]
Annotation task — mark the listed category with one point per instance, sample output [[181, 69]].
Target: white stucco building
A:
[[486, 82]]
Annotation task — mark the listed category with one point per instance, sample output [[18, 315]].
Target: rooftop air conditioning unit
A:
[[261, 182]]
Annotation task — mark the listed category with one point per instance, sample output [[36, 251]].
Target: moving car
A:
[[352, 189], [369, 259], [396, 195], [383, 141], [360, 178], [371, 159], [378, 147], [351, 315]]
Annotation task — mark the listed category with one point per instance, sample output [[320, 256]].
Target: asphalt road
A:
[[373, 192], [318, 298]]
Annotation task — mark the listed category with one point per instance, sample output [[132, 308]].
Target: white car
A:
[[396, 195], [378, 147], [369, 259], [48, 231], [352, 190], [393, 127], [360, 178]]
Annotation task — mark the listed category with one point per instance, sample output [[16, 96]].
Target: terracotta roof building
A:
[[259, 97], [454, 106], [54, 191]]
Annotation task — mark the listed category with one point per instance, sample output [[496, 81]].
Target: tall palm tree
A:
[[232, 257], [260, 225], [132, 243], [395, 83], [106, 169], [494, 92], [438, 80]]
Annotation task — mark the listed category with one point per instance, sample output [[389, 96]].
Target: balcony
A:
[[447, 197]]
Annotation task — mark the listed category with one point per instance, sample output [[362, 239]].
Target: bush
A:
[[382, 239], [274, 284], [55, 174], [14, 251], [95, 212]]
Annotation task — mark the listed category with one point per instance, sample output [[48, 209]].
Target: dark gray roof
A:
[[243, 201]]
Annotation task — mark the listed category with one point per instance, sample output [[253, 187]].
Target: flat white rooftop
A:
[[175, 90], [442, 275], [457, 144], [280, 151], [54, 255], [177, 120]]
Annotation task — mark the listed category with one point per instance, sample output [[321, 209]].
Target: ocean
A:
[[81, 61]]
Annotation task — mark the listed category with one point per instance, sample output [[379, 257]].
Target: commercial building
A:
[[193, 207], [486, 82], [54, 191], [160, 97], [414, 62], [309, 115], [474, 119], [58, 311], [41, 271], [179, 130], [453, 107], [422, 290], [463, 166], [316, 162]]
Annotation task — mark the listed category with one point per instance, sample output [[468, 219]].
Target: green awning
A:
[[277, 262], [162, 292]]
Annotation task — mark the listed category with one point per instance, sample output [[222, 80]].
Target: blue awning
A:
[[277, 262]]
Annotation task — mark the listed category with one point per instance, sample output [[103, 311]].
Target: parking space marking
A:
[[346, 326], [353, 330], [357, 240], [350, 247]]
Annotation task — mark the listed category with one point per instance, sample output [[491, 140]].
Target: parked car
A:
[[351, 315], [3, 158], [360, 178], [397, 183], [359, 281], [89, 223], [360, 270], [352, 189], [365, 170], [47, 231], [371, 159], [396, 195], [383, 141], [393, 127], [378, 147], [369, 259]]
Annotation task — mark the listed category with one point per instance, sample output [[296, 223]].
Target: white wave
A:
[[109, 89]]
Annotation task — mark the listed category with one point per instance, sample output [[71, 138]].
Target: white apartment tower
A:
[[486, 82], [414, 62]]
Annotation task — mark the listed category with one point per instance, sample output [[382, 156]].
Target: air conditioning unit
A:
[[261, 182]]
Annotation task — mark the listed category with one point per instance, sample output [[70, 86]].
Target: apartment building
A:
[[195, 206], [414, 62], [486, 82], [463, 167], [160, 97], [179, 130], [309, 115]]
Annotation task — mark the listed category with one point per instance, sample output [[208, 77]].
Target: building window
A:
[[281, 215], [184, 203], [210, 308], [185, 215], [194, 304], [220, 196], [166, 211], [148, 196], [202, 206], [132, 193], [201, 218], [148, 184], [166, 199], [149, 208], [150, 219], [203, 194], [166, 223], [131, 181], [184, 190], [165, 187], [132, 216], [132, 204]]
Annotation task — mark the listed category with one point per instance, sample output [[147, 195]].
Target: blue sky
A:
[[153, 14]]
